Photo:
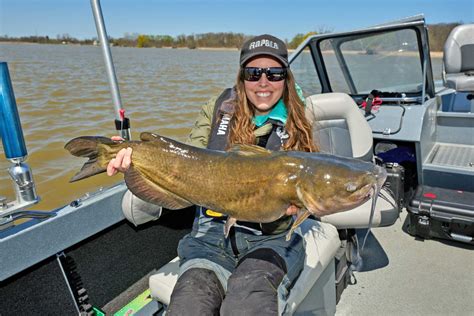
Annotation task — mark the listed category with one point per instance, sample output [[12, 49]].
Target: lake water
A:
[[62, 92]]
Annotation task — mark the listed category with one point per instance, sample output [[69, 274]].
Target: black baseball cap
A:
[[264, 45]]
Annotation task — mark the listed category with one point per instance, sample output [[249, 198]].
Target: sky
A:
[[283, 18]]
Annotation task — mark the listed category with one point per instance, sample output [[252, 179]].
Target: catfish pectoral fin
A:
[[228, 224], [308, 201], [153, 193], [302, 215]]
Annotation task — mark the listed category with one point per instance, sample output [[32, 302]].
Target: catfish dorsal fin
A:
[[249, 150], [146, 136], [152, 137]]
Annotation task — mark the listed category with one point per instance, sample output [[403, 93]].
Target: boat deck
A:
[[406, 276], [450, 166], [453, 155]]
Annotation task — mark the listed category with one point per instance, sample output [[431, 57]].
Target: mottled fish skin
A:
[[247, 183]]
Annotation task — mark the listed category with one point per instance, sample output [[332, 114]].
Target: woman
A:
[[247, 272]]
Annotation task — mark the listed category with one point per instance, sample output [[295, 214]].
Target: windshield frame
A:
[[417, 24]]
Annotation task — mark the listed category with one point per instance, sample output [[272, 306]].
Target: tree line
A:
[[227, 40], [438, 33], [437, 36]]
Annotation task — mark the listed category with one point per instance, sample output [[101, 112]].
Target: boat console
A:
[[427, 132]]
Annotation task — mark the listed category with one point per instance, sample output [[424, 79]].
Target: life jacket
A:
[[218, 140], [222, 120]]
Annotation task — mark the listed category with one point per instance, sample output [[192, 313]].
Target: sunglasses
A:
[[272, 73]]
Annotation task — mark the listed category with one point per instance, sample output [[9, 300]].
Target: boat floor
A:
[[407, 276]]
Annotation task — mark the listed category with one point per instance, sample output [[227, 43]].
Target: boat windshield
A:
[[356, 64]]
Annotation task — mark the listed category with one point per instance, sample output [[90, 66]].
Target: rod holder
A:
[[15, 151], [24, 184]]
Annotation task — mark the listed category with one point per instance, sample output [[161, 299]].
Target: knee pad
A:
[[252, 288], [198, 291], [261, 256]]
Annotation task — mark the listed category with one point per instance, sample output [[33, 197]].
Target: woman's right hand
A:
[[122, 160]]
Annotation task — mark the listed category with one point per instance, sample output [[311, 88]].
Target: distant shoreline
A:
[[77, 44], [80, 44], [433, 54]]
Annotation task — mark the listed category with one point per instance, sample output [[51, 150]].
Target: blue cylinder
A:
[[10, 125]]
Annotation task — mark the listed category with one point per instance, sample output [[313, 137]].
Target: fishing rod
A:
[[122, 123]]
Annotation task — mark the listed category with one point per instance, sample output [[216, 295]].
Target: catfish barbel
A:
[[247, 183]]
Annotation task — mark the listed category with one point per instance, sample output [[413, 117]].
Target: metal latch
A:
[[424, 220]]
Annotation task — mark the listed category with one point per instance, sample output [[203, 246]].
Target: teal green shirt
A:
[[278, 112]]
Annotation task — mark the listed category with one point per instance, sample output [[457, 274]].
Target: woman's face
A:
[[263, 94]]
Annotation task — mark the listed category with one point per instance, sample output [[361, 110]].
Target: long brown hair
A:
[[298, 127]]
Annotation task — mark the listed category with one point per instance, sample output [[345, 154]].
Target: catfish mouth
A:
[[357, 198], [361, 196], [370, 190], [372, 182]]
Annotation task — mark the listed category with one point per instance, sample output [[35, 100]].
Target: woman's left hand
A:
[[292, 210]]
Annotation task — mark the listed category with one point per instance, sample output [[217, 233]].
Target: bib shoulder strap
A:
[[223, 112]]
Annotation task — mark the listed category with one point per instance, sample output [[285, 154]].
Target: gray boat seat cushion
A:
[[137, 211], [339, 127], [322, 242], [458, 58]]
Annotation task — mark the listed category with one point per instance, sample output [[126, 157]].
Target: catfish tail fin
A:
[[89, 146]]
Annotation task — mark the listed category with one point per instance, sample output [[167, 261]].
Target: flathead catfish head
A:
[[330, 184]]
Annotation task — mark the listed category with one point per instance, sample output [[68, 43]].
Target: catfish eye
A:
[[351, 187]]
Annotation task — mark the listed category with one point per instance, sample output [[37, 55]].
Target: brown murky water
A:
[[62, 92]]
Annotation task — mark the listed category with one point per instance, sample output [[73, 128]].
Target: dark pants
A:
[[251, 289]]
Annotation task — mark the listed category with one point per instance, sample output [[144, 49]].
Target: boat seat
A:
[[314, 290], [341, 129], [137, 211], [322, 243], [336, 118], [458, 59]]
